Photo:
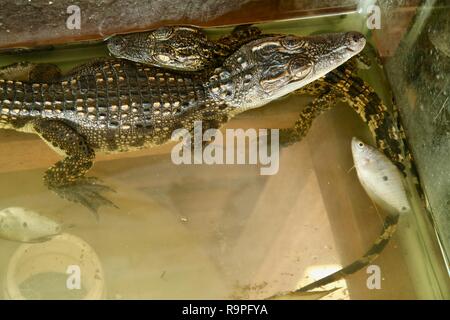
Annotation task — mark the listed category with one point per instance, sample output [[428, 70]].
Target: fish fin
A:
[[376, 209]]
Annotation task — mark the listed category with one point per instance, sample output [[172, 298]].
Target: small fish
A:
[[24, 225], [380, 178]]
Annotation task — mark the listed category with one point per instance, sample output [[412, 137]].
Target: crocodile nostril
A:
[[116, 44], [355, 41]]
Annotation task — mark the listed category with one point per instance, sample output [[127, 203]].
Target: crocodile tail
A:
[[20, 95], [21, 101], [384, 125], [366, 102], [390, 225]]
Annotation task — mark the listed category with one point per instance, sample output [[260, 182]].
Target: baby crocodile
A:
[[188, 48], [182, 48], [118, 105]]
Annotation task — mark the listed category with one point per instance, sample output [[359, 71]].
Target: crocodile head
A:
[[172, 47], [268, 68]]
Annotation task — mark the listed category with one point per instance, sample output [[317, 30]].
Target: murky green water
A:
[[49, 285], [199, 231]]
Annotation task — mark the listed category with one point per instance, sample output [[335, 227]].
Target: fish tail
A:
[[390, 225]]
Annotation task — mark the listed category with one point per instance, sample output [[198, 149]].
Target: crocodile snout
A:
[[355, 41], [116, 45]]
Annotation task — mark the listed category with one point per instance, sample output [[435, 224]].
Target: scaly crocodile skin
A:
[[125, 106], [182, 48], [118, 105], [187, 43], [344, 84]]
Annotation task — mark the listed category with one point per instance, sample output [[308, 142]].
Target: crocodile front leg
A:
[[304, 121], [67, 177]]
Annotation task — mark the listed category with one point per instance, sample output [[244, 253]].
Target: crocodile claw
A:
[[87, 192]]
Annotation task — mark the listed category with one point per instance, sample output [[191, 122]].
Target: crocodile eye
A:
[[163, 58], [266, 49], [273, 78], [291, 43], [164, 54], [299, 68], [162, 33], [117, 44]]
